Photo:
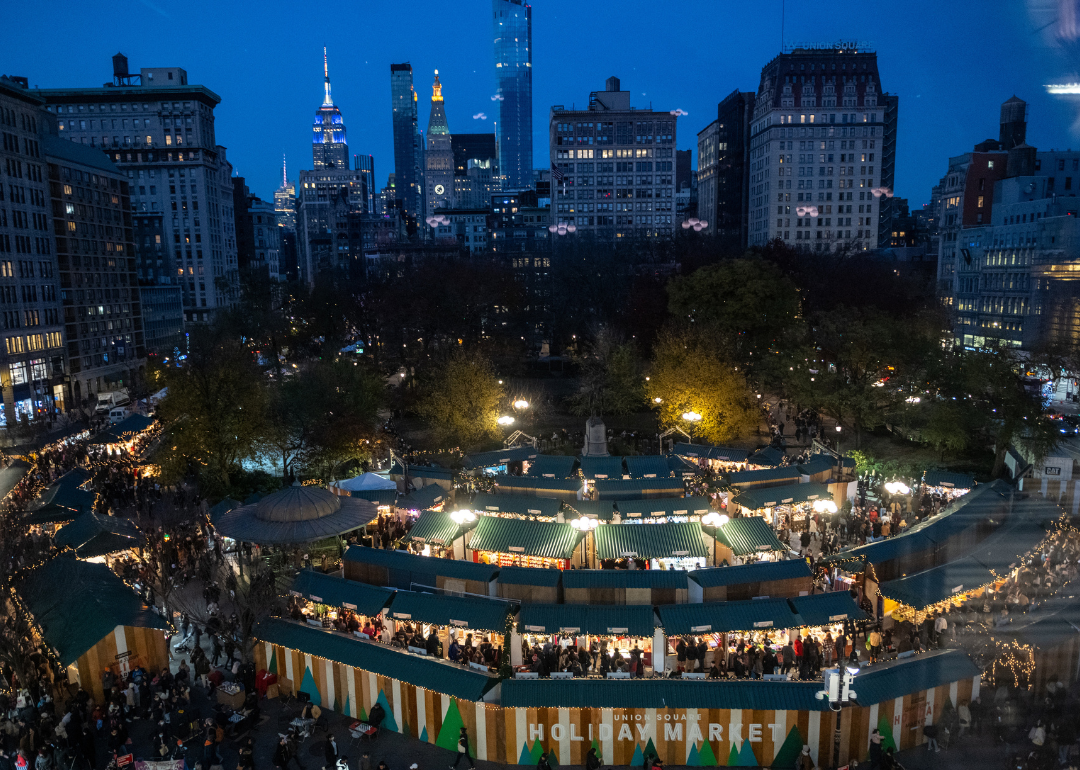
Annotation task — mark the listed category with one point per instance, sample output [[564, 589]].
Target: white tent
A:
[[365, 481]]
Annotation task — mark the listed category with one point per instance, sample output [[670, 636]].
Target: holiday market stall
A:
[[594, 468], [625, 586], [647, 467], [742, 540], [528, 584], [95, 537], [431, 497], [619, 628], [499, 461], [785, 578], [514, 506], [661, 546], [788, 507], [90, 621], [524, 543], [947, 485], [63, 500], [663, 510], [551, 466], [368, 486], [716, 458], [441, 534], [566, 490], [400, 569], [765, 477], [635, 489]]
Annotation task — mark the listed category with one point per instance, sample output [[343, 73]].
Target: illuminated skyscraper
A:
[[513, 79], [329, 147], [407, 147], [285, 201], [439, 156]]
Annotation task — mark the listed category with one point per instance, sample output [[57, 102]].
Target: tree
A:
[[749, 301], [688, 374], [610, 380], [214, 414], [460, 400], [947, 428]]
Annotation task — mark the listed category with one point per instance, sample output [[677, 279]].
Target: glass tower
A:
[[329, 148], [407, 147], [513, 80]]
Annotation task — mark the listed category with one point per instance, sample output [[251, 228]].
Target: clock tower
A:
[[439, 157]]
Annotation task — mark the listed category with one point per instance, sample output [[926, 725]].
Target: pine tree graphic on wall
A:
[[706, 756], [789, 751], [388, 721], [308, 685], [887, 738], [451, 728]]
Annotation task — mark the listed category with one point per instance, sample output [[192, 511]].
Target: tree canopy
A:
[[460, 400]]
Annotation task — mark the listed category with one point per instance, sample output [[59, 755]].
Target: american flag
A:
[[556, 174]]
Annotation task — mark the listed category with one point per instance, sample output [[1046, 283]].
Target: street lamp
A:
[[838, 690], [658, 400], [506, 420], [840, 451], [521, 404], [691, 416]]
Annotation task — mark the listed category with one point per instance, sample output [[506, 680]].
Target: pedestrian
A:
[[805, 762], [930, 732], [332, 751], [592, 762], [463, 748], [875, 749]]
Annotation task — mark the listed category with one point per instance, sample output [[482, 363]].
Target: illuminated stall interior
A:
[[516, 542]]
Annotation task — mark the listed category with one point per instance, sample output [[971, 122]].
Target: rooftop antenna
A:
[[284, 172], [326, 77]]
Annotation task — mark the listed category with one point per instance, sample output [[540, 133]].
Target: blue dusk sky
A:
[[952, 64]]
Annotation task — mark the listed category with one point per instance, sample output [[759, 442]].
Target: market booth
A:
[[95, 537], [743, 540], [663, 510], [551, 466], [499, 461], [63, 500], [794, 504], [92, 621], [328, 594], [785, 578], [566, 490], [368, 486], [647, 467], [765, 477], [625, 586], [661, 546], [421, 476], [528, 584], [517, 542], [599, 468], [403, 570], [441, 534], [636, 489], [716, 458], [619, 628], [1047, 640], [514, 506], [431, 497]]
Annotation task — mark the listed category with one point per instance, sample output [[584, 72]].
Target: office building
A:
[[475, 170], [1009, 241], [32, 354], [723, 173], [512, 23], [329, 144], [159, 130], [822, 151], [96, 269], [408, 147], [258, 237], [519, 235], [614, 167], [285, 201], [365, 164], [438, 155], [327, 198], [466, 227]]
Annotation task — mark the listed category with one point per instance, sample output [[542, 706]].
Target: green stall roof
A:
[[706, 452], [749, 534], [423, 498], [714, 617], [498, 457], [947, 479], [647, 466], [76, 604], [424, 471], [898, 678], [625, 578], [655, 507], [552, 466], [604, 510], [93, 535], [59, 502], [649, 541], [124, 430], [523, 505], [339, 592], [527, 538], [767, 456], [761, 572], [829, 607], [533, 486], [431, 673], [223, 507], [602, 467], [769, 497], [529, 576], [443, 610], [423, 565], [765, 475], [819, 463], [938, 583], [434, 527], [597, 620], [377, 496], [662, 693], [619, 489]]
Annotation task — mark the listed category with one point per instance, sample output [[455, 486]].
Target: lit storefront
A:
[[517, 542]]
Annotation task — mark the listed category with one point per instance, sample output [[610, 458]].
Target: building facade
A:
[[438, 155], [285, 201], [329, 143], [407, 142], [475, 169], [326, 199], [258, 238], [822, 151], [160, 132], [32, 369], [512, 23], [723, 169], [615, 167]]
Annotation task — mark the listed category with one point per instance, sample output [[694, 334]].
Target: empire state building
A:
[[329, 147]]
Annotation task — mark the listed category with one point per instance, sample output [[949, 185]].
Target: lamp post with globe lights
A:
[[693, 418], [697, 224]]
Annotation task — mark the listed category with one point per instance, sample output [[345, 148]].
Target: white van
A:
[[118, 414]]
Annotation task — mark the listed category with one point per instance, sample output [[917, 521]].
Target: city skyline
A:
[[261, 117]]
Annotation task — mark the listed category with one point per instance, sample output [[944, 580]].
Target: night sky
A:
[[951, 63]]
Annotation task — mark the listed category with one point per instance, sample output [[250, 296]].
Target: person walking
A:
[[463, 748]]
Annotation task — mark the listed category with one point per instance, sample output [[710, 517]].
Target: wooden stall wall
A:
[[1060, 663], [689, 737], [127, 647], [414, 711]]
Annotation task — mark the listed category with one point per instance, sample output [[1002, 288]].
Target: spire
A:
[[326, 76], [436, 89], [284, 172]]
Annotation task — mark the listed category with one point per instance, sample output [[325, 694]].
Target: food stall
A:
[[499, 461], [663, 510], [550, 466], [742, 540], [661, 546], [791, 505], [716, 458], [618, 628], [441, 534], [322, 597], [517, 542], [635, 489], [94, 537]]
